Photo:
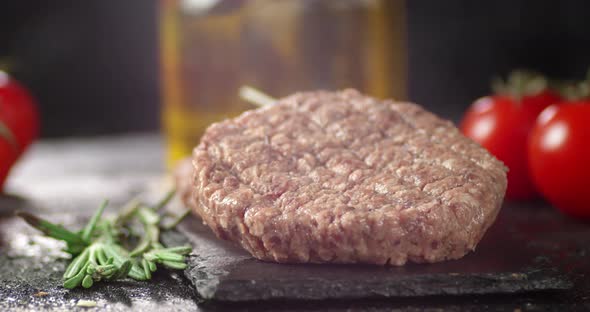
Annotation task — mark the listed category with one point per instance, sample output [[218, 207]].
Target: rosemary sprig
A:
[[98, 253]]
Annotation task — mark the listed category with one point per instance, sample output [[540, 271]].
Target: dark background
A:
[[93, 65], [456, 47]]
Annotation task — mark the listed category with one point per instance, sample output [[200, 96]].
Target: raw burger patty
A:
[[344, 178]]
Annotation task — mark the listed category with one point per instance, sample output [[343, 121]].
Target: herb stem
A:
[[75, 243], [256, 97], [89, 229], [165, 200]]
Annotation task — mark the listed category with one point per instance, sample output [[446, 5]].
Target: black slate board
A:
[[502, 264]]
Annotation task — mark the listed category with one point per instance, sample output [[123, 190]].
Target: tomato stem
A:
[[575, 90], [520, 83]]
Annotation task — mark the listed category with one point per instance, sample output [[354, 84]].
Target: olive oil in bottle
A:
[[209, 49]]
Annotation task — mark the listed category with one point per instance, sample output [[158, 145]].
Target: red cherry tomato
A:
[[502, 125], [559, 156], [19, 123], [18, 112]]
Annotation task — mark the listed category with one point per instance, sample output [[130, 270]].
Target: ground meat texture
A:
[[341, 177]]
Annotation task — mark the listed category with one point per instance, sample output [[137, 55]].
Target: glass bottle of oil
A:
[[209, 48]]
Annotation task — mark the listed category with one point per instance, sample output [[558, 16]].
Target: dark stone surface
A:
[[532, 259], [501, 265]]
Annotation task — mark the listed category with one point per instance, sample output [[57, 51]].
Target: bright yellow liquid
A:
[[278, 46]]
